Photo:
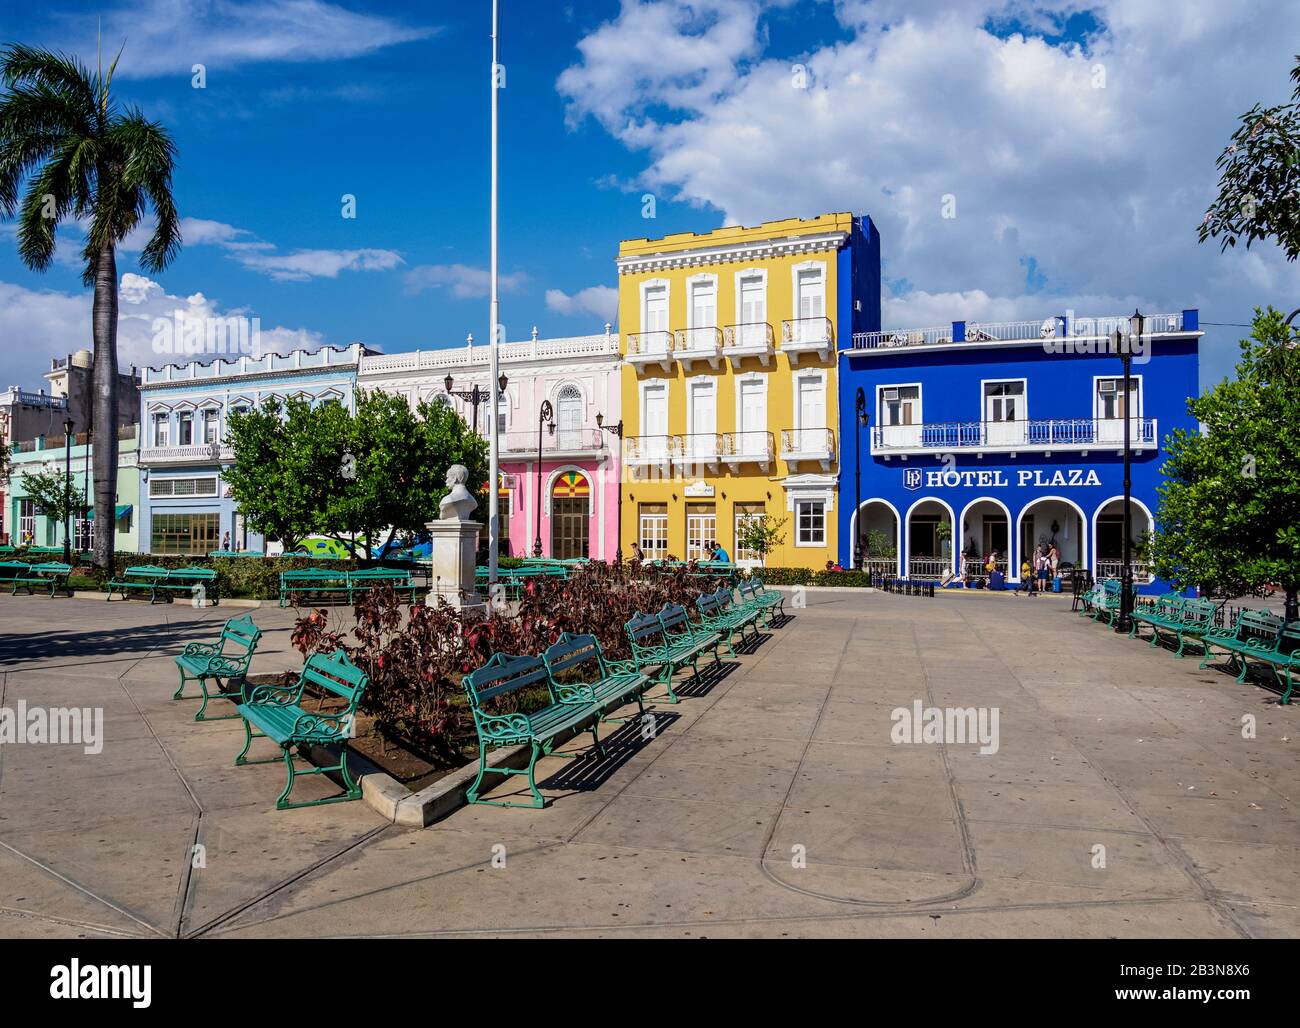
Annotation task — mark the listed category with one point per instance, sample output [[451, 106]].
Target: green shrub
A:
[[784, 576]]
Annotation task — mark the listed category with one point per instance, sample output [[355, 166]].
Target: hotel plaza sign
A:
[[1032, 478]]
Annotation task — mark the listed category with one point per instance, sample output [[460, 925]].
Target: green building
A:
[[27, 526]]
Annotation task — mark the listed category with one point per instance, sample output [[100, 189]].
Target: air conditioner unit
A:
[[1107, 386], [889, 394]]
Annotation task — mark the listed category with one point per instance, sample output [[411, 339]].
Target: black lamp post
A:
[[860, 409], [546, 416], [1124, 343], [617, 432], [67, 491], [473, 396], [85, 479]]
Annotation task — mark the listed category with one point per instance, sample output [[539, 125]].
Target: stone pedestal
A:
[[454, 542]]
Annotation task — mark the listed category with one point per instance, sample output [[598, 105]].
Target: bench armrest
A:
[[226, 667], [200, 649], [622, 667], [503, 726], [573, 692], [335, 724], [273, 695]]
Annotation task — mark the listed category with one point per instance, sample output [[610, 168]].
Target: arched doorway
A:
[[1048, 520], [570, 516], [1108, 539], [876, 527], [929, 539], [986, 529]]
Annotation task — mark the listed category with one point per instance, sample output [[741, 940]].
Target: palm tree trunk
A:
[[104, 408]]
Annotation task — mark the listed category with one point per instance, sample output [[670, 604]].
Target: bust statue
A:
[[458, 504]]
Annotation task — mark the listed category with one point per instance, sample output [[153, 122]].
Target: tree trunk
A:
[[104, 405]]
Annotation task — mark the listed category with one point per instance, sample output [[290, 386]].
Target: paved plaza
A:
[[772, 801]]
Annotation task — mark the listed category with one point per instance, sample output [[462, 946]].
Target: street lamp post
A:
[[473, 396], [67, 491], [545, 417], [860, 409], [85, 478], [1125, 343], [617, 432]]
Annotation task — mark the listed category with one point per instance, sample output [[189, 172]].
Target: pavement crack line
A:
[[968, 852], [1176, 854]]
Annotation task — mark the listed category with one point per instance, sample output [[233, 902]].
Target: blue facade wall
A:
[[1037, 483]]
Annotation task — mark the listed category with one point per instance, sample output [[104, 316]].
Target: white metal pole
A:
[[494, 458]]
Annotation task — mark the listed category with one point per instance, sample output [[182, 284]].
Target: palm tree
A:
[[82, 157]]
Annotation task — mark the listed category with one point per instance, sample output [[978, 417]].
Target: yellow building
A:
[[729, 396]]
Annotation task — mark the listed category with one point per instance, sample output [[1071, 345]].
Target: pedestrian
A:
[[721, 555], [225, 541], [637, 553], [1026, 577], [1040, 567]]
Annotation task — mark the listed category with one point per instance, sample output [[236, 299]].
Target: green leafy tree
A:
[[1259, 183], [301, 470], [1229, 518], [760, 534], [53, 495], [274, 480], [83, 158]]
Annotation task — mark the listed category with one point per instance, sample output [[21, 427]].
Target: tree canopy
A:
[[301, 470], [1229, 517]]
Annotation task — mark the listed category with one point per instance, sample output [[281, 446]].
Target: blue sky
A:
[[1068, 195]]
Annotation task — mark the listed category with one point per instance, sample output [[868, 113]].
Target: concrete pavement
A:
[[1123, 799]]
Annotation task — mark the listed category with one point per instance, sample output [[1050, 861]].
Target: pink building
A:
[[578, 474]]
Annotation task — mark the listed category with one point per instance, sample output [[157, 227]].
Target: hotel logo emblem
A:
[[912, 478]]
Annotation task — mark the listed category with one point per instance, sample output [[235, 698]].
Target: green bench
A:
[[755, 593], [376, 578], [51, 576], [16, 572], [669, 641], [1186, 619], [1105, 603], [276, 712], [718, 613], [188, 580], [141, 577], [313, 581], [541, 730], [8, 551], [227, 658], [580, 673], [1256, 631]]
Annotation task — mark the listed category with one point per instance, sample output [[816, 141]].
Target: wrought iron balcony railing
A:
[[1047, 434], [565, 440], [748, 339], [806, 335], [747, 447], [650, 449], [808, 444]]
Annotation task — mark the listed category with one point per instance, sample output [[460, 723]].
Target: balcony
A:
[[697, 449], [800, 336], [802, 445], [650, 451], [697, 344], [647, 348], [565, 444], [748, 339], [204, 453], [1074, 435], [739, 448]]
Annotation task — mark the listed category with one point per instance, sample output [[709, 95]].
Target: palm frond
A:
[[150, 158], [61, 72]]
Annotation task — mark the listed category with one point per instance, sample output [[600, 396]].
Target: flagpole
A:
[[494, 456]]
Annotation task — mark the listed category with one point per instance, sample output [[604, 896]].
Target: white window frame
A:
[[1024, 394], [646, 286], [743, 558], [700, 518], [1135, 380], [761, 275], [161, 419], [820, 268], [762, 380], [799, 502], [652, 383], [181, 417], [801, 375], [920, 401], [659, 520]]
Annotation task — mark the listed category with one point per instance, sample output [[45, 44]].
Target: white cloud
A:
[[36, 325], [1101, 187], [302, 265], [602, 301], [168, 37], [465, 282]]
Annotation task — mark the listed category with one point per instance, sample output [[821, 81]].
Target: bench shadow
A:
[[78, 645], [710, 676], [589, 772], [749, 645], [781, 620]]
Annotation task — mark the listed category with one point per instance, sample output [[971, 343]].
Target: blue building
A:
[[185, 507], [999, 438]]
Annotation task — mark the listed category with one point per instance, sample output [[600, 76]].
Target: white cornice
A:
[[687, 256]]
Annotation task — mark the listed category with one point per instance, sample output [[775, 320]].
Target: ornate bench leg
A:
[[282, 801], [177, 694]]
